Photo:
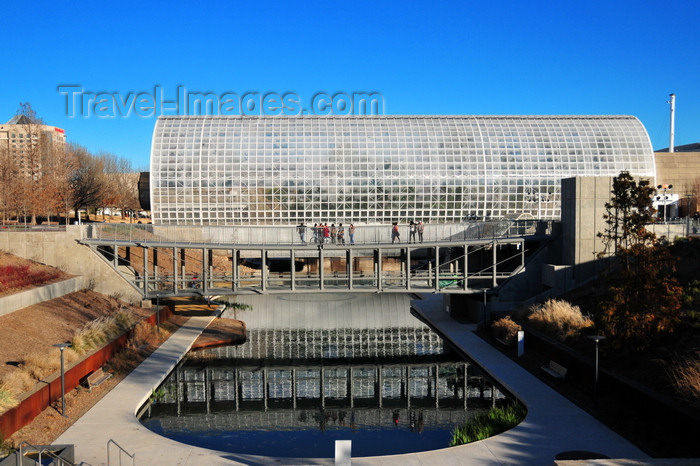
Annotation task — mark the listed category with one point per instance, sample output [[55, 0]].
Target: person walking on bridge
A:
[[351, 232], [301, 229], [341, 234], [395, 235]]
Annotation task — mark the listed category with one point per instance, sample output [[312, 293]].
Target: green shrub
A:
[[485, 425], [691, 293]]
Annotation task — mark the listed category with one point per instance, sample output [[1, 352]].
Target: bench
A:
[[96, 378], [554, 369]]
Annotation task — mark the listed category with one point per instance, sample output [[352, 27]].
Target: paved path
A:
[[552, 425]]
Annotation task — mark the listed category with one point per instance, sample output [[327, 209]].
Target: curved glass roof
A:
[[251, 170]]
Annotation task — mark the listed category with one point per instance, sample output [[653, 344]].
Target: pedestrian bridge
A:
[[167, 262]]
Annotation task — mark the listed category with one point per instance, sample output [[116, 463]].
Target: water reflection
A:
[[300, 382]]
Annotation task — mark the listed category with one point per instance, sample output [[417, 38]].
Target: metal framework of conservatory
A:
[[254, 170]]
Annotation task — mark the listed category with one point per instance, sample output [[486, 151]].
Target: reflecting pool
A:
[[320, 368]]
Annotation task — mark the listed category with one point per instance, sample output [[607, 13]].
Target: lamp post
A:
[[63, 346], [597, 339]]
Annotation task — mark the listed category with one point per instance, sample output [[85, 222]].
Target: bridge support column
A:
[[263, 270], [234, 270], [292, 271], [465, 273], [408, 268], [183, 269], [437, 269], [205, 272], [378, 268], [145, 271], [494, 282], [175, 274], [211, 268], [348, 267], [155, 269], [321, 275]]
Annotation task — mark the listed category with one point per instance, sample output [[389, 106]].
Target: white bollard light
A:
[[343, 450], [521, 343]]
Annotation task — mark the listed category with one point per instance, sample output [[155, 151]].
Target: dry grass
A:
[[39, 365], [143, 334], [7, 398], [685, 376], [505, 330], [560, 318], [143, 341], [101, 330], [18, 382]]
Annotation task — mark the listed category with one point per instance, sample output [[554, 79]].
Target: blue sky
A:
[[468, 57]]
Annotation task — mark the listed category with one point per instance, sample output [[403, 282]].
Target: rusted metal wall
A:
[[21, 415]]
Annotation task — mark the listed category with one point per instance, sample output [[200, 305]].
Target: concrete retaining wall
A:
[[40, 294], [60, 249]]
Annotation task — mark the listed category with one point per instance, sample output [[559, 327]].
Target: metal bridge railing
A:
[[283, 235]]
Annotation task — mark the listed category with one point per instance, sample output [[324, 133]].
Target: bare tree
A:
[[56, 188], [121, 183], [87, 181], [33, 147], [8, 183]]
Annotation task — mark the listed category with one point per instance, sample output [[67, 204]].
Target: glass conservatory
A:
[[256, 170]]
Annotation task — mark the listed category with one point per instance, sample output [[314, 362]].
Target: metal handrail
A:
[[288, 234], [133, 457], [26, 227], [41, 451]]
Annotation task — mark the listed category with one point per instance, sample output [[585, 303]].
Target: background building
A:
[[27, 142], [251, 170], [681, 169]]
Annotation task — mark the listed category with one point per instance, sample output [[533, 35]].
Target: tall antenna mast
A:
[[673, 121]]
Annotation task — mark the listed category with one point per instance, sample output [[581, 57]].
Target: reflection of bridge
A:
[[255, 391], [162, 267]]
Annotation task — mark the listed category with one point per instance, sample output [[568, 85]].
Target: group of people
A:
[[322, 233], [413, 229]]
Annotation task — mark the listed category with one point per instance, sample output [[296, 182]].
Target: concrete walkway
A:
[[552, 425]]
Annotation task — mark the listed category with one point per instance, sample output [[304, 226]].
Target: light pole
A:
[[63, 346], [597, 339]]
